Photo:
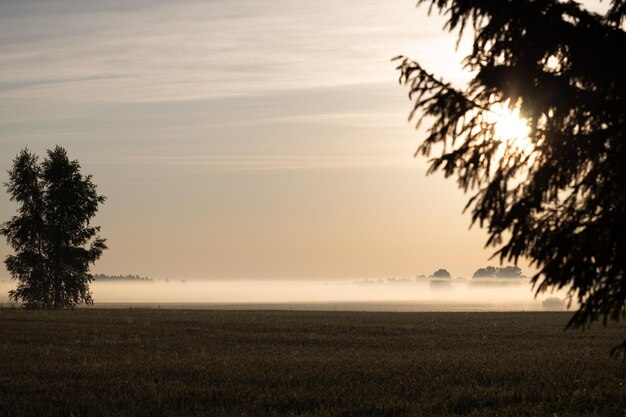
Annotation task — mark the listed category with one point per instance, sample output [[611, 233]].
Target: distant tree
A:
[[509, 272], [553, 303], [441, 273], [104, 277], [487, 272], [502, 272], [53, 239], [558, 196]]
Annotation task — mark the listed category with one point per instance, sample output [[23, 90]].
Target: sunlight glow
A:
[[512, 130]]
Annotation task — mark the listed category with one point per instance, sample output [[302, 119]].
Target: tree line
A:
[[128, 277]]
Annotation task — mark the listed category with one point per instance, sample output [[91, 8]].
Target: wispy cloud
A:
[[47, 82], [188, 50]]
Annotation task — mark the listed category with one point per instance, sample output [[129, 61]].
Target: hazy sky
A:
[[239, 139]]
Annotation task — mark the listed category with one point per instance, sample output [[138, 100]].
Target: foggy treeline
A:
[[397, 294]]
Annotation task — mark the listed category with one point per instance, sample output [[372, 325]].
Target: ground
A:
[[90, 362]]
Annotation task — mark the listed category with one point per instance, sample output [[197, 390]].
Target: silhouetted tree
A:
[[52, 237], [441, 273], [509, 272], [502, 272], [487, 272], [559, 200]]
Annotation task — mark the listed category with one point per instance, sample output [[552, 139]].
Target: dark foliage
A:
[[52, 237], [498, 272], [561, 201], [487, 272], [128, 277], [441, 273]]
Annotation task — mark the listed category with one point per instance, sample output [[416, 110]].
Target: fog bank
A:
[[410, 295]]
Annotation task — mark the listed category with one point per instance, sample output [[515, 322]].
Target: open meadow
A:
[[149, 362]]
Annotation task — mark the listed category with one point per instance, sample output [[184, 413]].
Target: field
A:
[[268, 363]]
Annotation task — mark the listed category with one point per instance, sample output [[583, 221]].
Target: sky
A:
[[240, 140]]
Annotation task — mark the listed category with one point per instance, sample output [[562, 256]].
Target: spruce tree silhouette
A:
[[52, 237], [559, 200]]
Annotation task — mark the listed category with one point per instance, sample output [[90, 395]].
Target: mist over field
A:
[[386, 295]]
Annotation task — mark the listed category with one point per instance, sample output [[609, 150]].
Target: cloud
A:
[[189, 50], [33, 83]]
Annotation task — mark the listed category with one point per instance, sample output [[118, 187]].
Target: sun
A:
[[511, 129]]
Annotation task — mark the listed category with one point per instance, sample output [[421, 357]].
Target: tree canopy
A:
[[51, 235], [558, 199], [498, 272], [486, 272], [441, 273]]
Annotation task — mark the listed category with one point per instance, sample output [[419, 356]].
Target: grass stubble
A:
[[90, 362]]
